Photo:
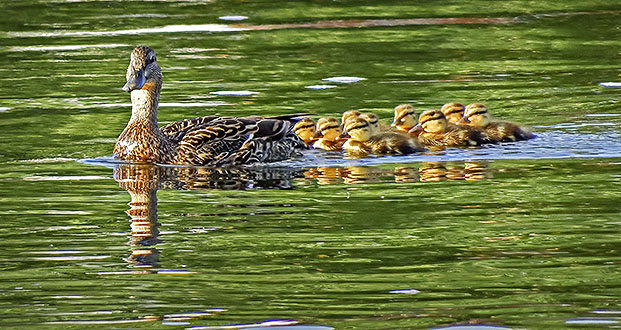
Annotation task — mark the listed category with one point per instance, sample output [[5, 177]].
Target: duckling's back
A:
[[392, 143], [503, 131]]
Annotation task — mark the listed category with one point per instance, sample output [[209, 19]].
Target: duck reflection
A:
[[142, 181]]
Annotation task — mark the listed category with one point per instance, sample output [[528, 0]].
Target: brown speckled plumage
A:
[[209, 140], [436, 131], [476, 115]]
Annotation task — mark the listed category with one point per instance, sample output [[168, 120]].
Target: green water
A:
[[521, 236]]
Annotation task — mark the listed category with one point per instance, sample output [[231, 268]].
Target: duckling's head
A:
[[433, 121], [405, 118], [476, 115], [349, 114], [358, 129], [329, 128], [373, 121], [143, 72], [453, 112], [304, 129]]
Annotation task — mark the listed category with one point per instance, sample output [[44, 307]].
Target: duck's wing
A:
[[176, 131], [214, 141], [272, 141], [236, 141]]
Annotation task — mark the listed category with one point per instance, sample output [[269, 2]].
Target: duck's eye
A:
[[150, 59]]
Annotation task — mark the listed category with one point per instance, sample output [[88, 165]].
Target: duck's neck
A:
[[144, 106]]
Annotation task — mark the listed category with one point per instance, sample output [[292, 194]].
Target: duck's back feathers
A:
[[217, 141]]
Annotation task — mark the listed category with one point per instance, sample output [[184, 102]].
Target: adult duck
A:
[[209, 140]]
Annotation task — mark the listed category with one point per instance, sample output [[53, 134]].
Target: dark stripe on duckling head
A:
[[325, 128], [451, 108], [300, 127], [433, 115], [402, 115]]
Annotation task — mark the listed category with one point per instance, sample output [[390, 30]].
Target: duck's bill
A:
[[135, 81], [416, 129], [463, 121], [342, 136]]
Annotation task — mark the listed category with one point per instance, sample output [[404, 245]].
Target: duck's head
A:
[[432, 121], [404, 118], [305, 129], [475, 115], [357, 129], [142, 72], [453, 112], [349, 114], [373, 121], [328, 128]]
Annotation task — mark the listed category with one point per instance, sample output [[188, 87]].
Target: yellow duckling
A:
[[305, 130], [434, 130], [349, 114], [373, 121], [476, 115], [362, 142], [327, 132], [405, 118], [453, 112]]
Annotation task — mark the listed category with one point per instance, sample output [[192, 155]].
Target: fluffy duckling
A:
[[305, 130], [373, 121], [405, 118], [327, 132], [453, 112], [349, 114], [434, 130], [476, 115], [361, 140]]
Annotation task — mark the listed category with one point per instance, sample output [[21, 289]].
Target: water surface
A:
[[517, 235]]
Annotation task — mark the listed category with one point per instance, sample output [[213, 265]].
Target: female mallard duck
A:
[[328, 131], [453, 112], [434, 130], [209, 140], [476, 115], [362, 142], [305, 130], [405, 118]]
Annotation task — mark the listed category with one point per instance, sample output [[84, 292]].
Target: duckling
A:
[[362, 142], [349, 114], [373, 121], [209, 140], [327, 132], [434, 130], [305, 130], [476, 115], [453, 112], [405, 118]]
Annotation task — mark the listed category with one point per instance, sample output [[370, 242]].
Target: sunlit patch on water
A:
[[63, 47], [163, 29], [586, 321], [472, 327], [232, 18], [344, 80], [319, 86], [234, 93]]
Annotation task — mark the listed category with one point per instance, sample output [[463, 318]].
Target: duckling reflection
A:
[[406, 174], [142, 181]]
